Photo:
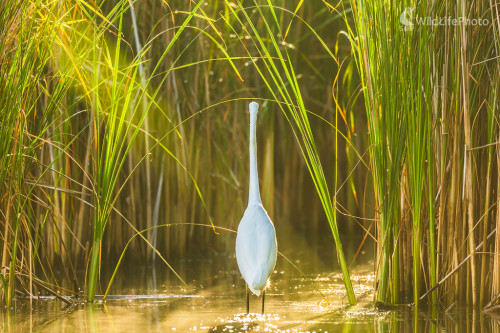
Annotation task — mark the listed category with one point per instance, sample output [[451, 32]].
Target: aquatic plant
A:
[[429, 93]]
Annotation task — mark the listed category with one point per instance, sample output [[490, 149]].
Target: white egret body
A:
[[256, 246]]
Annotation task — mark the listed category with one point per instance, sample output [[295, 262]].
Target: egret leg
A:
[[263, 297], [248, 300]]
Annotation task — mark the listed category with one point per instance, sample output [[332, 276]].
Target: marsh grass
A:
[[25, 45], [430, 96], [127, 134]]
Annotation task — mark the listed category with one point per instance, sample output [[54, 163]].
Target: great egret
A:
[[256, 246]]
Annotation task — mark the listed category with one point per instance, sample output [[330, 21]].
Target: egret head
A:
[[254, 108]]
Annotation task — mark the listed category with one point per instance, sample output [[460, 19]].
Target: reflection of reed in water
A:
[[452, 320]]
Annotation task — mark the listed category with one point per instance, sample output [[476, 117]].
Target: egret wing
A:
[[256, 247]]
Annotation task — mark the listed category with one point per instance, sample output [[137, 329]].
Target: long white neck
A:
[[254, 193]]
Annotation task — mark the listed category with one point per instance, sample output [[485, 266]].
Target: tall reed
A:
[[122, 121], [427, 88], [381, 71], [29, 32]]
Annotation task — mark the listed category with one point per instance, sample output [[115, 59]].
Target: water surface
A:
[[151, 300]]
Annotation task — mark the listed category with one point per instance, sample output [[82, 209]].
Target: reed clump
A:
[[431, 96]]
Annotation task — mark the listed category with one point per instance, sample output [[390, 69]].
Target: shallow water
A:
[[152, 300]]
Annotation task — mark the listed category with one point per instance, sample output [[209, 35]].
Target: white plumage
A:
[[256, 246]]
